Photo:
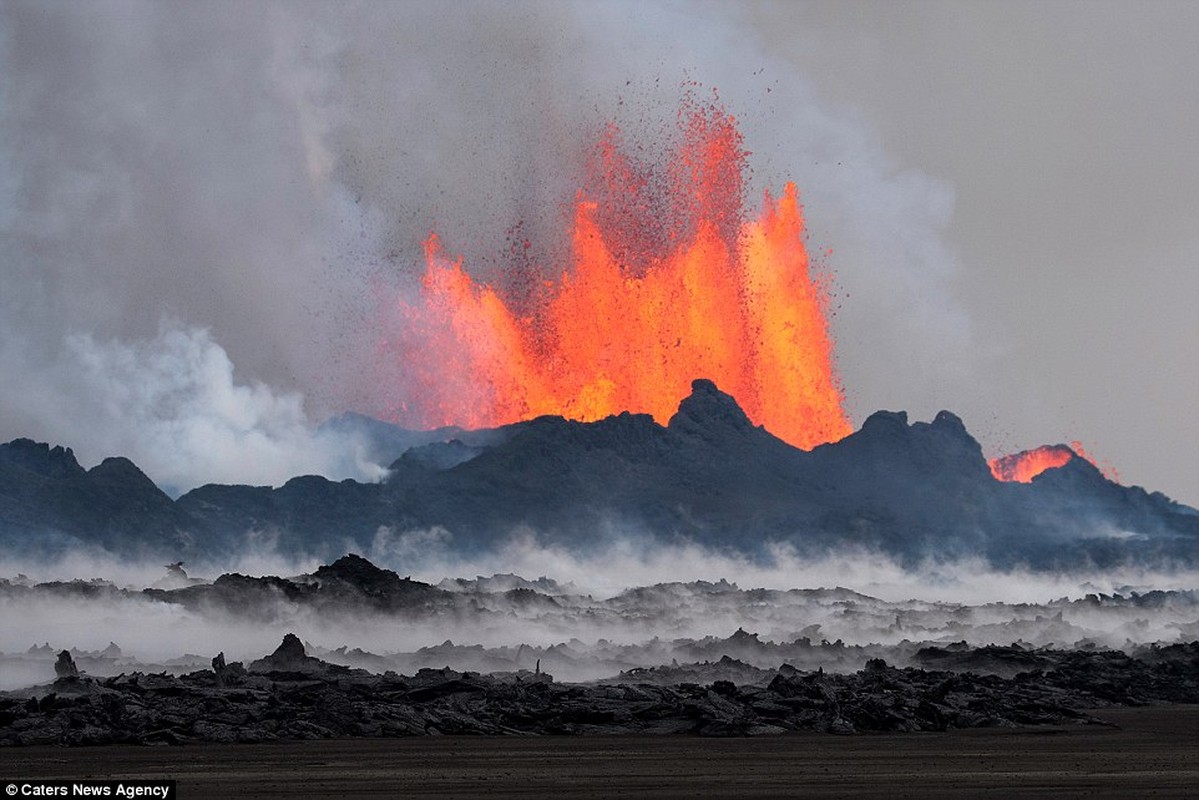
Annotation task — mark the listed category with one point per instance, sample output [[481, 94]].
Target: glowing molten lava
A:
[[1022, 467], [668, 283]]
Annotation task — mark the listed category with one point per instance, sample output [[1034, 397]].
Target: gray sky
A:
[[1070, 135], [198, 200]]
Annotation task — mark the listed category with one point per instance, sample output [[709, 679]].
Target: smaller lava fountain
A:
[[1022, 467]]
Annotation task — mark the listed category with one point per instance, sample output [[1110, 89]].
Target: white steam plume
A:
[[173, 405]]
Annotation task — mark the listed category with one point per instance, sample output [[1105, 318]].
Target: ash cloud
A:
[[261, 173]]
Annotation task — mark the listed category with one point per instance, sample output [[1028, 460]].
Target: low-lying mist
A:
[[626, 606]]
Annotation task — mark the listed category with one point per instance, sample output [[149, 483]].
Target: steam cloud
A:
[[944, 602], [261, 173], [173, 405]]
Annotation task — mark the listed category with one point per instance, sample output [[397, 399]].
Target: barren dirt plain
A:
[[1142, 752]]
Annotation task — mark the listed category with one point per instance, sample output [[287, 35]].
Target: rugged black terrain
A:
[[290, 695], [908, 490], [357, 614], [830, 660]]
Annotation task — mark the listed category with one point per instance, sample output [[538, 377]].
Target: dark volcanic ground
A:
[[1138, 752], [910, 666], [290, 695]]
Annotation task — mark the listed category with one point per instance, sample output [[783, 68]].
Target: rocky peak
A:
[[122, 474], [290, 648], [708, 410], [289, 656], [950, 422], [65, 667], [40, 458], [887, 437], [359, 573], [1075, 475]]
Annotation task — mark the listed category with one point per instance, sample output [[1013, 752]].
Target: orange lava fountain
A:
[[668, 283]]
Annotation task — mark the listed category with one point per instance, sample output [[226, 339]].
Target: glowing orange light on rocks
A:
[[1022, 467]]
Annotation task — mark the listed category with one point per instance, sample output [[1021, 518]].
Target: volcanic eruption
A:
[[670, 280], [670, 378]]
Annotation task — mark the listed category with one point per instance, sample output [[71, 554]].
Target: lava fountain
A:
[[1022, 467], [669, 280]]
